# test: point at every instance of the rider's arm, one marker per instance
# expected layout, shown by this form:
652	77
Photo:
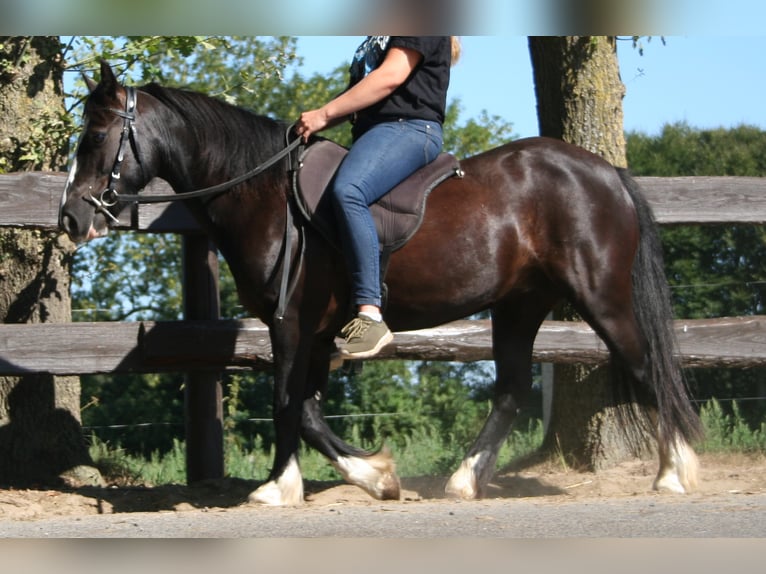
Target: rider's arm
374	87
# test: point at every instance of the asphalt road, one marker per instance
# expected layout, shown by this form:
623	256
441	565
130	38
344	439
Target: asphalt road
728	516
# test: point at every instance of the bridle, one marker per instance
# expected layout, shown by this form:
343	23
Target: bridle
110	197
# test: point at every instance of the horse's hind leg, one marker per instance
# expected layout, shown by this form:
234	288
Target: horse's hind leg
617	323
678	463
514	326
375	473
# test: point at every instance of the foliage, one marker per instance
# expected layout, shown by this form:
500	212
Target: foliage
40	142
475	135
142	413
681	150
139	54
49	133
729	432
132	277
406	396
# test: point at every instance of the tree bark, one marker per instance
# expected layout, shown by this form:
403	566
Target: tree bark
41	438
579	92
579	98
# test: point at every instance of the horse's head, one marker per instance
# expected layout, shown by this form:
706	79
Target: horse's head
107	160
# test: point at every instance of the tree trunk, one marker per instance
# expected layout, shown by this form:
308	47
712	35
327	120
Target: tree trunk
579	99
579	92
41	439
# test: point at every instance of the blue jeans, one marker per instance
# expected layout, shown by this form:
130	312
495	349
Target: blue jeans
380	159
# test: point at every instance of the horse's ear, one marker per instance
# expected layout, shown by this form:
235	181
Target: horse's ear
108	79
90	82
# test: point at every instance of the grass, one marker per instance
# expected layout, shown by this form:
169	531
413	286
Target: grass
423	453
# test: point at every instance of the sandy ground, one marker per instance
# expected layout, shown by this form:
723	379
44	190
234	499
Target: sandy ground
729	474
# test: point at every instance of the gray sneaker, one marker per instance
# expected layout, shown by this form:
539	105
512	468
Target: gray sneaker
365	338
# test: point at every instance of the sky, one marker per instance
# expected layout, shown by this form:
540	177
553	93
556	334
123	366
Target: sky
707	81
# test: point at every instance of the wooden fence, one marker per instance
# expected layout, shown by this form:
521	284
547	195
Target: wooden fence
203	345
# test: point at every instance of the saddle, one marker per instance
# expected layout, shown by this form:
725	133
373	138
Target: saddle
397	215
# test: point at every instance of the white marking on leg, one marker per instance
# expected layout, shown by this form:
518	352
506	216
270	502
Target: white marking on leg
462	484
287	490
679	468
375	474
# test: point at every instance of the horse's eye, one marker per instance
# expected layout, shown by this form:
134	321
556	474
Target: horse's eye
98	137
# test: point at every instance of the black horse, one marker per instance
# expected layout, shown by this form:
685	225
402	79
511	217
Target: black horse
531	223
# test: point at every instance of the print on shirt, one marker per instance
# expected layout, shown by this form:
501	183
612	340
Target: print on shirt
368	56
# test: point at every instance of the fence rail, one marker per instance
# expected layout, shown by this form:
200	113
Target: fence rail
213	346
31	199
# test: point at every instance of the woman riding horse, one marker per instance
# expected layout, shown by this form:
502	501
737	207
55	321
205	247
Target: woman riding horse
531	223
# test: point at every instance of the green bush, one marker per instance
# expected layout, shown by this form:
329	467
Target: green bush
729	432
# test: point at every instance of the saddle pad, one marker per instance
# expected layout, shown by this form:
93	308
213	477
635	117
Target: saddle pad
397	215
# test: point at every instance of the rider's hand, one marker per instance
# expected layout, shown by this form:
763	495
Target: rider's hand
311	122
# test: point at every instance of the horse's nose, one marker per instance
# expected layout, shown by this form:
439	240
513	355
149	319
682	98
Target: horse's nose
69	223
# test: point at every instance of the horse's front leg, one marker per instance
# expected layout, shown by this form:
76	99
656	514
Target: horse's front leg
284	486
375	473
513	331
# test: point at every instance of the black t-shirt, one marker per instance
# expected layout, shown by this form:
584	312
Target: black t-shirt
423	95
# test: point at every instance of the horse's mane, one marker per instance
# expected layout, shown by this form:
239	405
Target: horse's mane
232	137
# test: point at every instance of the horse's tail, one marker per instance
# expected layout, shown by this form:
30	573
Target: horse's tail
652	308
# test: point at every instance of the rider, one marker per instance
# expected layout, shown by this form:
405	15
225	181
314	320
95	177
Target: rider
396	101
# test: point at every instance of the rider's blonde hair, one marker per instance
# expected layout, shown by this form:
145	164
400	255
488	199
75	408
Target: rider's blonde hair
456	49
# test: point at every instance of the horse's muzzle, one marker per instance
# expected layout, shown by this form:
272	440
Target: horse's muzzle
81	223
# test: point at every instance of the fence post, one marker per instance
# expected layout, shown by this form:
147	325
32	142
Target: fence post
203	394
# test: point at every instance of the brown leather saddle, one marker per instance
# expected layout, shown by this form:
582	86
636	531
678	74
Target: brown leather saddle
397	215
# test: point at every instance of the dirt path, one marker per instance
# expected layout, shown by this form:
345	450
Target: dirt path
720	475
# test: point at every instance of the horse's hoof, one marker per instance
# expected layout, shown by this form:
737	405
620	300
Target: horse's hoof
389	487
463	492
375	474
668	483
270	494
462	484
679	468
287	490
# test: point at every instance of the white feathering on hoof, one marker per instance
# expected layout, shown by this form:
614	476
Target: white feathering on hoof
679	469
462	484
375	474
287	490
